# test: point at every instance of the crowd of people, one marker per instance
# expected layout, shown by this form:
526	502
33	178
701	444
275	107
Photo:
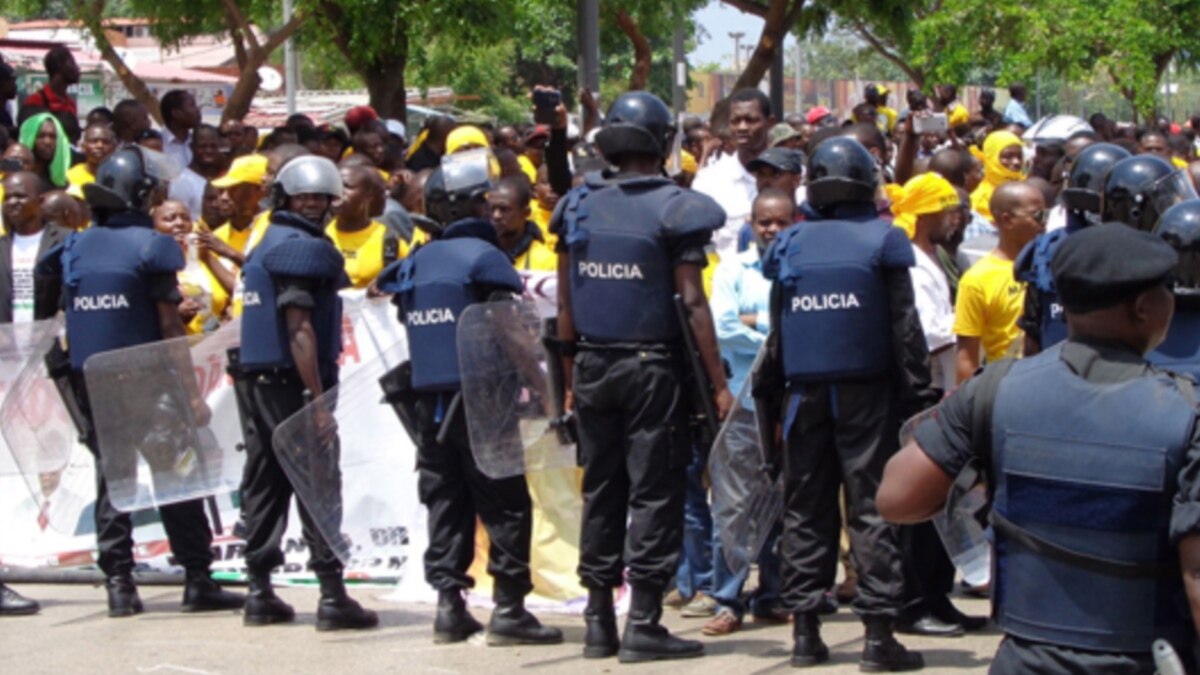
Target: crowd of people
872	264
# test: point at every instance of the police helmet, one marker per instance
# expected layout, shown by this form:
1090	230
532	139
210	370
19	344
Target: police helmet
1138	190
456	188
841	171
1085	185
131	178
310	174
1055	130
638	122
1180	227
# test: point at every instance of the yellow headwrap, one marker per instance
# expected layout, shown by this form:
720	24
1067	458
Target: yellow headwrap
465	136
995	174
687	161
924	194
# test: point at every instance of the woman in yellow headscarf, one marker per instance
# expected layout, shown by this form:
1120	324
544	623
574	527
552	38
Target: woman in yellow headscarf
1002	157
466	138
922	195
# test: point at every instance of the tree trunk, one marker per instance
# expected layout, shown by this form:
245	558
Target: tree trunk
642	54
90	15
244	90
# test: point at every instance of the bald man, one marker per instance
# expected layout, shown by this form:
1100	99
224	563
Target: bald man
60	209
989	298
22	299
365	243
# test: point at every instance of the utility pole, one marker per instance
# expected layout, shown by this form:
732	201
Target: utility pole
679	91
799	104
588	22
776	82
737	50
291	64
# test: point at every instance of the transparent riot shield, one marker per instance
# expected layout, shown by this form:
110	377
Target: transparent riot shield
746	502
334	451
512	420
958	524
36	425
158	441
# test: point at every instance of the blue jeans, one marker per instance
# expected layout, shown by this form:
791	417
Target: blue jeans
727	586
694	573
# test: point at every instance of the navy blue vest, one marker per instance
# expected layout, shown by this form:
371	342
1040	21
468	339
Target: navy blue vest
621	273
106	272
1180	352
291	247
1072	465
835	317
434	285
1033	267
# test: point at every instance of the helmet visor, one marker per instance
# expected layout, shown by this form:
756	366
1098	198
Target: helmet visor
158	165
463	171
1169	191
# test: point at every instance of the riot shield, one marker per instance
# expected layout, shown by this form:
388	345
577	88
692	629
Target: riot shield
334	450
158	444
746	502
958	523
36	425
513	423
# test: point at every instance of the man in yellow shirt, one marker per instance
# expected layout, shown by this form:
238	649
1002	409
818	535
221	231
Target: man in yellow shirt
99	142
520	238
241	191
363	241
990	300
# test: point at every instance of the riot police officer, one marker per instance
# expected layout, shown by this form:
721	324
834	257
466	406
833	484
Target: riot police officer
1180	351
291	339
628	242
1042	318
120	290
1088	499
432	287
851	353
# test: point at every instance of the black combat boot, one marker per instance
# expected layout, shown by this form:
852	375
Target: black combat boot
645	639
13	603
263	607
512	624
601	640
202	594
123	597
807	647
338	611
453	622
882	653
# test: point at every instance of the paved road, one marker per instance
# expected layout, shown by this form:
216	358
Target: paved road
73	635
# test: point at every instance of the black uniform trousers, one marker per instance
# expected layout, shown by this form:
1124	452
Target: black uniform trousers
187	527
265	401
456	492
634	445
928	571
842	434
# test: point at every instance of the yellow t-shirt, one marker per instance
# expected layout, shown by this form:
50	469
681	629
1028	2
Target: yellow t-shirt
989	303
363	251
78	175
200	284
537	258
236	239
257	229
527	168
541	217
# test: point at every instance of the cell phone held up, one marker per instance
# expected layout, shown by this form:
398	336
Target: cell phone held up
932	123
545	102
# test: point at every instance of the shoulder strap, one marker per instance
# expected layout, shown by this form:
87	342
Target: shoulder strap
987	386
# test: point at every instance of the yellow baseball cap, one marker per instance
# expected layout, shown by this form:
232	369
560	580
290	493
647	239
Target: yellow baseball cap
250	169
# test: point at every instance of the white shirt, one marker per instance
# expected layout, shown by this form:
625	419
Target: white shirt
734	189
180	150
1057	218
24	257
931	291
189	189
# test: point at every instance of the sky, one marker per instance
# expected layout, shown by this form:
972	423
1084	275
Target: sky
719	20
